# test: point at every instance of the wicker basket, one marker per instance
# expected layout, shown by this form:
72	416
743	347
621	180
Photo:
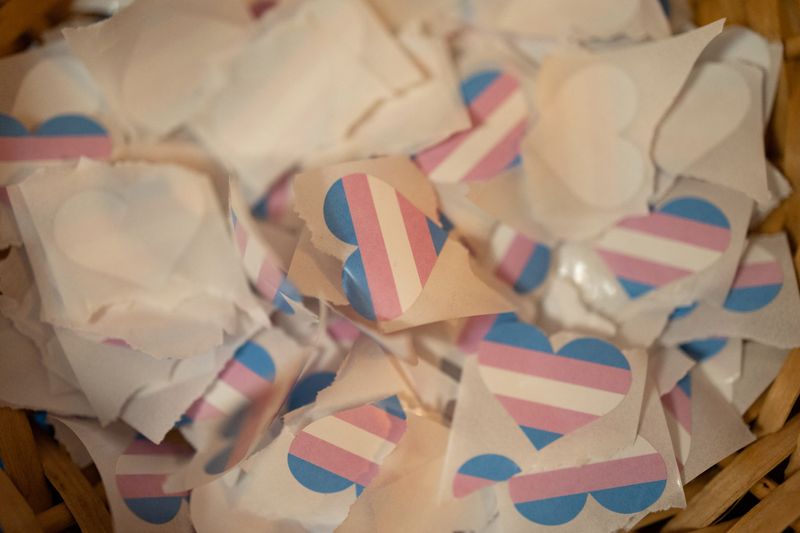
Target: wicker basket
756	489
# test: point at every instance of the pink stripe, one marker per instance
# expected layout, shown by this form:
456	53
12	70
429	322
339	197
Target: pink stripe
475	329
269	279
333	459
376	421
641	270
680	229
680	407
607	475
240	236
41	148
546	417
278	200
464	485
144	486
120	343
202	409
499	157
515	259
244	380
145	447
419	236
380	279
555	367
757	274
343	330
492	97
432	157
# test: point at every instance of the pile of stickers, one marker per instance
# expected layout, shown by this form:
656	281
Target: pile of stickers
380	265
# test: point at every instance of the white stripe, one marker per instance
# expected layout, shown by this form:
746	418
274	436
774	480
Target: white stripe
149	464
658	249
253	257
350	438
549	392
639	448
484	138
757	254
681	439
501	242
395	237
226	398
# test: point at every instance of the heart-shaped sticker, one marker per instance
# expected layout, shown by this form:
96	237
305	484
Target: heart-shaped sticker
141	472
521	262
582	135
679	239
61	137
345	449
677	405
758	281
499	116
627	483
483	471
549	393
136	232
397	245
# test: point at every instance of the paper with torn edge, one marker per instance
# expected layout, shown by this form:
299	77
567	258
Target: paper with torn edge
712	131
292	74
142	52
611	490
760	365
558	186
705	428
226	424
133	470
173	264
762	304
399	274
554	400
576	19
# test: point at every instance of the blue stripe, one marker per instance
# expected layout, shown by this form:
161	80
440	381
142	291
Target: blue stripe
552	511
539	437
696	209
257	359
260	209
315	478
11	127
685	384
392	406
336	211
595	351
634	289
306	390
749	299
535	270
155	510
520	335
683	311
490	466
438	235
70	125
354	283
473	86
219	463
703	349
630	499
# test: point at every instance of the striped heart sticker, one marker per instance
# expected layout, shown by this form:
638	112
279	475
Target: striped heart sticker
549	393
397	245
61	137
499	115
758	281
521	262
347	448
483	471
246	377
683	237
141	472
677	405
629	482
